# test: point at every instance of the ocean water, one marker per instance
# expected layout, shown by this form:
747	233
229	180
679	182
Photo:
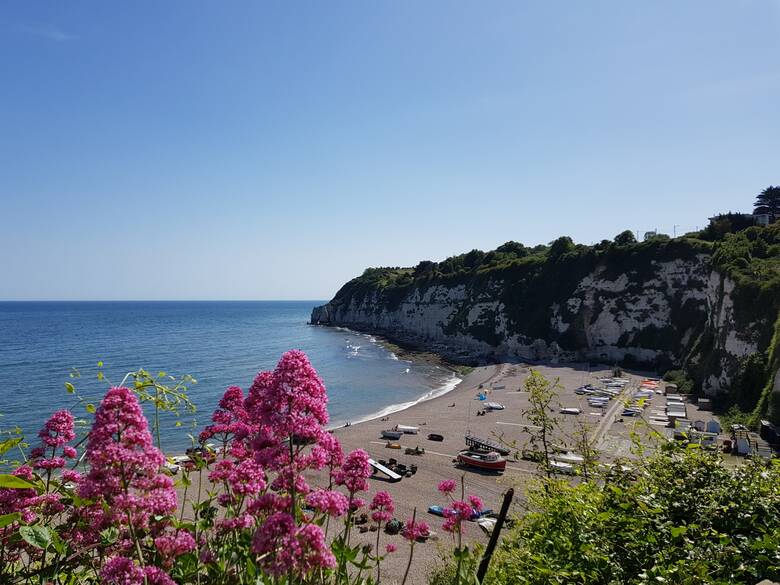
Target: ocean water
219	343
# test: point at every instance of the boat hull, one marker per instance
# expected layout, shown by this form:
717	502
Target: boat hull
481	463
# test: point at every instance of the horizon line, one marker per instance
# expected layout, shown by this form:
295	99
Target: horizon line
161	300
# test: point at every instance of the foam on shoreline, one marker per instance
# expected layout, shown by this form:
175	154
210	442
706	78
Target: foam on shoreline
445	388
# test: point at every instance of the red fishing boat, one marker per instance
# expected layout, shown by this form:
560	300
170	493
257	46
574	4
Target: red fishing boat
490	460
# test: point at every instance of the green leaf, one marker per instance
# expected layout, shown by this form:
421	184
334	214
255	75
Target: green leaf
70	387
678	530
58	543
38	536
9	444
7	519
90	408
109	535
13	482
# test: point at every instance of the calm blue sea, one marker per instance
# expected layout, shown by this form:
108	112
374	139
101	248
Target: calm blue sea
219	343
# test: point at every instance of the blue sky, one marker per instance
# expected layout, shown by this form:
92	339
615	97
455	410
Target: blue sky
255	150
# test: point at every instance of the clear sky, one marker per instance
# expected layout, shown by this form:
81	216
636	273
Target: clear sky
257	150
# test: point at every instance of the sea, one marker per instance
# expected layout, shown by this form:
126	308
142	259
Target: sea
93	345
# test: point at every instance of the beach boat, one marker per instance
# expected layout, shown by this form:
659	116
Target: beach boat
494	406
406	429
391	445
478	444
560	467
569	457
435	437
570	411
490	461
415	451
436	510
383	469
392	434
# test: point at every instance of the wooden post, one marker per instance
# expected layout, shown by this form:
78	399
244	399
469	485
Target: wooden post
483	564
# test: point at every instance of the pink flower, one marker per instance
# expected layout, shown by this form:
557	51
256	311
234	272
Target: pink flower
124	480
354	472
292	400
71	476
329	502
247	478
58	430
460	511
121	571
383	507
390	548
51	463
156	576
415	530
283	547
69	452
231	420
447	486
175	545
476	503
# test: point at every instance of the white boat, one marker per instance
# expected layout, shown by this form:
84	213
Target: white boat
383	469
559	467
570	411
494	406
406	429
568	457
394	435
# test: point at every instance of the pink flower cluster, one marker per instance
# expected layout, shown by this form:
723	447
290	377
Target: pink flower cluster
284	546
122	571
231	421
328	502
415	530
56	433
271	439
459	510
355	472
383	507
124	482
279	428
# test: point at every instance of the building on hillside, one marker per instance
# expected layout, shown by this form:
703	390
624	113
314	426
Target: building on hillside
748	218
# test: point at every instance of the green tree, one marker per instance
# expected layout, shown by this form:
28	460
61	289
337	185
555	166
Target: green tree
560	246
768	201
625	238
542	400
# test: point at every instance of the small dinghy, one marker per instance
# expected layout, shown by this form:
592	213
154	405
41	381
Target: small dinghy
570	411
435	437
392	434
490	461
493	406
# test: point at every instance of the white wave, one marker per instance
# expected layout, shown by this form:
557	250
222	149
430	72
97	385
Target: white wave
392	356
448	386
407	370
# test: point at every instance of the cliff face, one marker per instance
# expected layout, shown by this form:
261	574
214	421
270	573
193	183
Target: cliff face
659	309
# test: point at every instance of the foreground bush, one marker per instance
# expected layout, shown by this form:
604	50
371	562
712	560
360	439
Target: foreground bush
681	518
251	516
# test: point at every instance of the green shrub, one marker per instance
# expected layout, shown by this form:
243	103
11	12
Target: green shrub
682	517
